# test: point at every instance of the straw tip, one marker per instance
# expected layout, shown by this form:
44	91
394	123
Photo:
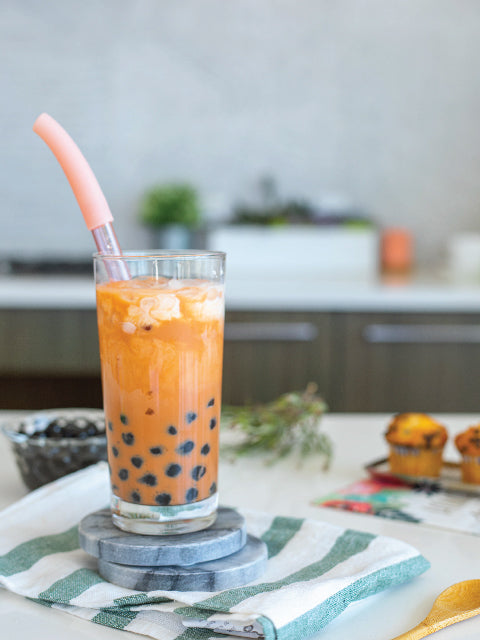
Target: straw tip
42	120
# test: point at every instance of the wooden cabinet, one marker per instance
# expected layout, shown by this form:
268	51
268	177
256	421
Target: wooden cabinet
408	362
49	358
44	341
269	353
359	361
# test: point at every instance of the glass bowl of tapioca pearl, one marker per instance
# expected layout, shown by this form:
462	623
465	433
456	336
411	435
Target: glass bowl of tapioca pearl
52	443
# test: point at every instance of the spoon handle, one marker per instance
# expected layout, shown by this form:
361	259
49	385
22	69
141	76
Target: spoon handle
420	631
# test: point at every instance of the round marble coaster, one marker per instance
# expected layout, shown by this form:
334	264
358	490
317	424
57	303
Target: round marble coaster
101	538
232	571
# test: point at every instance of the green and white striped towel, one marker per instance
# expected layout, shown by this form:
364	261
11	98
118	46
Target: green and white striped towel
315	570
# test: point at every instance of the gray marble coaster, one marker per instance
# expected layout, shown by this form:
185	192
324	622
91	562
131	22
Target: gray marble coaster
101	538
235	570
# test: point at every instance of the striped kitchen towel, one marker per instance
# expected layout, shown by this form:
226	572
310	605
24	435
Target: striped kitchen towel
314	571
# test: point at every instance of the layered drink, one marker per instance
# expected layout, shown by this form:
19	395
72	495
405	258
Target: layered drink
161	349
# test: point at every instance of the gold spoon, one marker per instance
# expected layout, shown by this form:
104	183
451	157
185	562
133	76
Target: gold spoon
458	602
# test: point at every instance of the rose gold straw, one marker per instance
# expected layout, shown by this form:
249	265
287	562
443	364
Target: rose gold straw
86	189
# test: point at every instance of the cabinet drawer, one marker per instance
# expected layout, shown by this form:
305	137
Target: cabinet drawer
270	353
42	341
410	362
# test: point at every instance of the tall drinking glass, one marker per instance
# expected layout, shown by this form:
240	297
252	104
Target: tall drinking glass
161	350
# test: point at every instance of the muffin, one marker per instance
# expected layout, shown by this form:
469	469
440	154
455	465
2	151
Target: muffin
468	444
416	445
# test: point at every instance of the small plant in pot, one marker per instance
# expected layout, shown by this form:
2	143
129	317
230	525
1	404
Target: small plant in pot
172	211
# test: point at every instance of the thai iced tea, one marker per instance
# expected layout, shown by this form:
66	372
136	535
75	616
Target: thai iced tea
161	348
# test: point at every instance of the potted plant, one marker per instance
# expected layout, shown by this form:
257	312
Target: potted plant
172	212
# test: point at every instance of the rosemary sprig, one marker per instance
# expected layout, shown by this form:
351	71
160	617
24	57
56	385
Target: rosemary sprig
287	425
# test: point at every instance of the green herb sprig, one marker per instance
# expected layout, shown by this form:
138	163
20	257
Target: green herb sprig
288	425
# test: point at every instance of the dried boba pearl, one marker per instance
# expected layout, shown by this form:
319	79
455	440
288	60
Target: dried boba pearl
205	449
123	474
22	428
213	423
191	417
91	429
123	418
149	479
173	470
37	434
172	430
198	472
72	431
211	402
135	496
110	425
128	438
54	430
137	461
156	451
115	451
191	495
163	499
185	447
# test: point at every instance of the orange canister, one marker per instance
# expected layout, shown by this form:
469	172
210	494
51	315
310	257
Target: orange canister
396	251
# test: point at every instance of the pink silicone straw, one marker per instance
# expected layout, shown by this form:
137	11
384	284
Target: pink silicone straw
86	189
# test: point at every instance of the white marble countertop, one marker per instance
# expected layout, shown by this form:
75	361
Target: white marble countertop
415	295
287	489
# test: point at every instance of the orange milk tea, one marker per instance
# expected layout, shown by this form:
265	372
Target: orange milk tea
161	348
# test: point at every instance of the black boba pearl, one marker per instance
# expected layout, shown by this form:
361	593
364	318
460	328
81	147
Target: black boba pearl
23	429
92	430
71	431
135	496
172	430
36	434
149	479
205	449
213	423
123	474
198	472
82	435
173	470
185	447
54	430
123	418
163	499
128	438
191	494
156	451
115	451
213	488
137	461
211	402
190	417
110	425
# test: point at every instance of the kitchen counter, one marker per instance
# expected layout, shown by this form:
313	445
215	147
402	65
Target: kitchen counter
422	294
287	489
